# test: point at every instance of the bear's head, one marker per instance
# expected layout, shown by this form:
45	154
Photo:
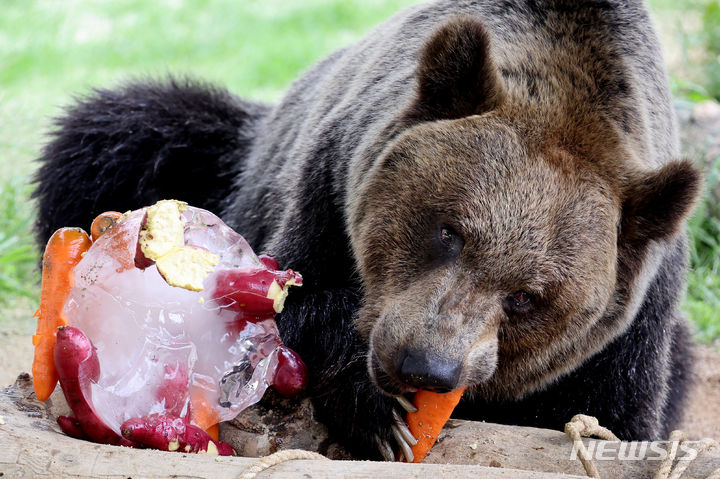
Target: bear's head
503	238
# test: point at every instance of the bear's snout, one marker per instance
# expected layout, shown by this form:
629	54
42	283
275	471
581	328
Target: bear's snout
440	344
422	370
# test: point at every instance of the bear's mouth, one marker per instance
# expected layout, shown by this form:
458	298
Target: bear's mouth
385	382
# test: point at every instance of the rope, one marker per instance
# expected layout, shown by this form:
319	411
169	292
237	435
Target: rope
666	465
584	426
276	458
682	465
581	425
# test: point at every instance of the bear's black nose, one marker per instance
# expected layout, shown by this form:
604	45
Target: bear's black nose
424	371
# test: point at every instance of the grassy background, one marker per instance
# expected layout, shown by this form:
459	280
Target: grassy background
52	49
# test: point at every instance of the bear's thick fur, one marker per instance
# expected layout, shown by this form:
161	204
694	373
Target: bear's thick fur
478	192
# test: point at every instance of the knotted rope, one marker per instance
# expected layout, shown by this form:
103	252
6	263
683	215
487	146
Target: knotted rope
585	426
276	458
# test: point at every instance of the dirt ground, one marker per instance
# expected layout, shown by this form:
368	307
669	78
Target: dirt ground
702	416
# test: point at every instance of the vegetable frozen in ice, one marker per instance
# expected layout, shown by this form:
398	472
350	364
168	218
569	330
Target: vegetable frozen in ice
62	252
195	341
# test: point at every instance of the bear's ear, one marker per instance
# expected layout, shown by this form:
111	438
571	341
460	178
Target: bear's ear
657	203
456	76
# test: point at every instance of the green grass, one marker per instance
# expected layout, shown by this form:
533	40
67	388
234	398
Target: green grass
18	254
703	299
51	50
692	42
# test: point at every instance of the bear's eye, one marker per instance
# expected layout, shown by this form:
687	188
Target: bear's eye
450	242
443	245
519	302
446	236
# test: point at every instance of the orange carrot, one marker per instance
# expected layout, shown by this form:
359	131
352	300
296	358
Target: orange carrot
102	222
434	409
214	432
202	414
63	251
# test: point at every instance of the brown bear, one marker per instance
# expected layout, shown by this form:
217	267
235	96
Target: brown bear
483	193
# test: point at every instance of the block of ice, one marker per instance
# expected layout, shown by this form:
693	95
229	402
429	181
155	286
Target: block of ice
165	349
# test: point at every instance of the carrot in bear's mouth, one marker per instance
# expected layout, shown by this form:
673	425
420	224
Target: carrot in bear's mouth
433	411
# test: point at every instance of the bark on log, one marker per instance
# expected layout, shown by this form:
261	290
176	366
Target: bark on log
515	447
31	445
280	424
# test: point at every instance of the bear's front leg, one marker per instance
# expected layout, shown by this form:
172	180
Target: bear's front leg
319	325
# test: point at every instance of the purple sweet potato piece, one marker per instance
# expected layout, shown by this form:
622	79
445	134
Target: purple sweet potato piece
169	433
78	366
71	427
259	292
174	390
291	374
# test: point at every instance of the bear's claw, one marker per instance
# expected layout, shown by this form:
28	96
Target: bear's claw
404	446
403	437
406	405
403	429
385	449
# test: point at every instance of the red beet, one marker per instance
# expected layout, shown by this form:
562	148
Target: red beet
291	374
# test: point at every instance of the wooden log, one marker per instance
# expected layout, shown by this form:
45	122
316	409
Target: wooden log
278	424
31	445
515	447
